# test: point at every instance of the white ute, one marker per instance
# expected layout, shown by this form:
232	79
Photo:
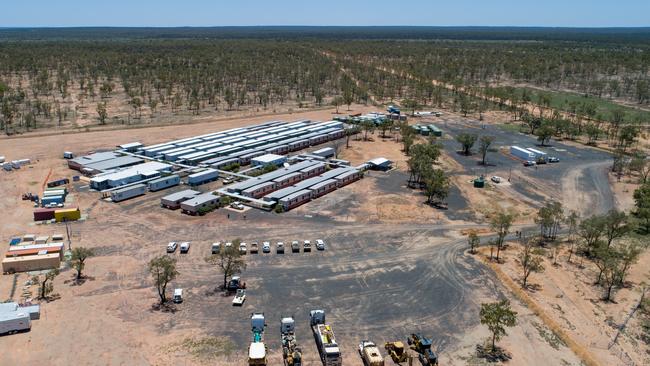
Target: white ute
240	297
185	247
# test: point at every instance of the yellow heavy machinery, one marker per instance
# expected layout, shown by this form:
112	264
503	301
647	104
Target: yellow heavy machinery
396	351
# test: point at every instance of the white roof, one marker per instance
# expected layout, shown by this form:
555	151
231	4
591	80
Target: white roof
148	167
257	351
268	158
378	161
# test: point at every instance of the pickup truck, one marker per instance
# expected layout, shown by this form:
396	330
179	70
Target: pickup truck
185	247
295	246
240	297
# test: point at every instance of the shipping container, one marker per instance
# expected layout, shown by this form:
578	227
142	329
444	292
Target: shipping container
128	192
70	214
58	182
41	214
52	199
165	182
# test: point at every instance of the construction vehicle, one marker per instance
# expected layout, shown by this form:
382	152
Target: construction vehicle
422	346
370	354
257	349
396	351
291	353
329	351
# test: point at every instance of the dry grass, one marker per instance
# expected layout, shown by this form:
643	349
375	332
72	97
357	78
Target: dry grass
556	328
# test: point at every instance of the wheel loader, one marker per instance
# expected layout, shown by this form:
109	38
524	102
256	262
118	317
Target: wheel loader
396	351
422	346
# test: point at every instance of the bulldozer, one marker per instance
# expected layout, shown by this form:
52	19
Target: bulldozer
422	346
396	351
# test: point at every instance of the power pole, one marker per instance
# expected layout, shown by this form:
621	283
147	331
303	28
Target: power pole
68	233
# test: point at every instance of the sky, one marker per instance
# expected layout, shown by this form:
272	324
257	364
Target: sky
167	13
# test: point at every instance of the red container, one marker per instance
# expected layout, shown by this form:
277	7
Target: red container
41	214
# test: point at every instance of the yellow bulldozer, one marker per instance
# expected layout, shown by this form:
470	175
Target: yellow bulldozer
396	351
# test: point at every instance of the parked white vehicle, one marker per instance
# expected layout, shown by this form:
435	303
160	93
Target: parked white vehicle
306	247
242	248
171	247
266	247
496	179
279	248
185	247
240	297
320	245
216	247
178	296
237	205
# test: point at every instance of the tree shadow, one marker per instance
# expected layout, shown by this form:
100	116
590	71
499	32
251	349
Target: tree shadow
51	298
167	307
80	281
532	287
492	355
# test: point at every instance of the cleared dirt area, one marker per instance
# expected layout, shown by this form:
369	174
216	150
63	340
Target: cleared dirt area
577	307
392	266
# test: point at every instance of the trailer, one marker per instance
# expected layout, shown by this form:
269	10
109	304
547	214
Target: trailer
539	155
203	177
165	182
291	353
257	349
328	349
13	322
128	192
522	153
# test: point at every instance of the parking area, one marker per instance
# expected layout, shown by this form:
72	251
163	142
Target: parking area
580	174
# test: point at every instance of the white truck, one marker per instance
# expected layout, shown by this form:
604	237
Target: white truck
329	351
291	353
257	348
369	353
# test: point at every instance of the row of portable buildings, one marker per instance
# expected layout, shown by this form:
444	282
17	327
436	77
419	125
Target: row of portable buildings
240	145
33	253
296	184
